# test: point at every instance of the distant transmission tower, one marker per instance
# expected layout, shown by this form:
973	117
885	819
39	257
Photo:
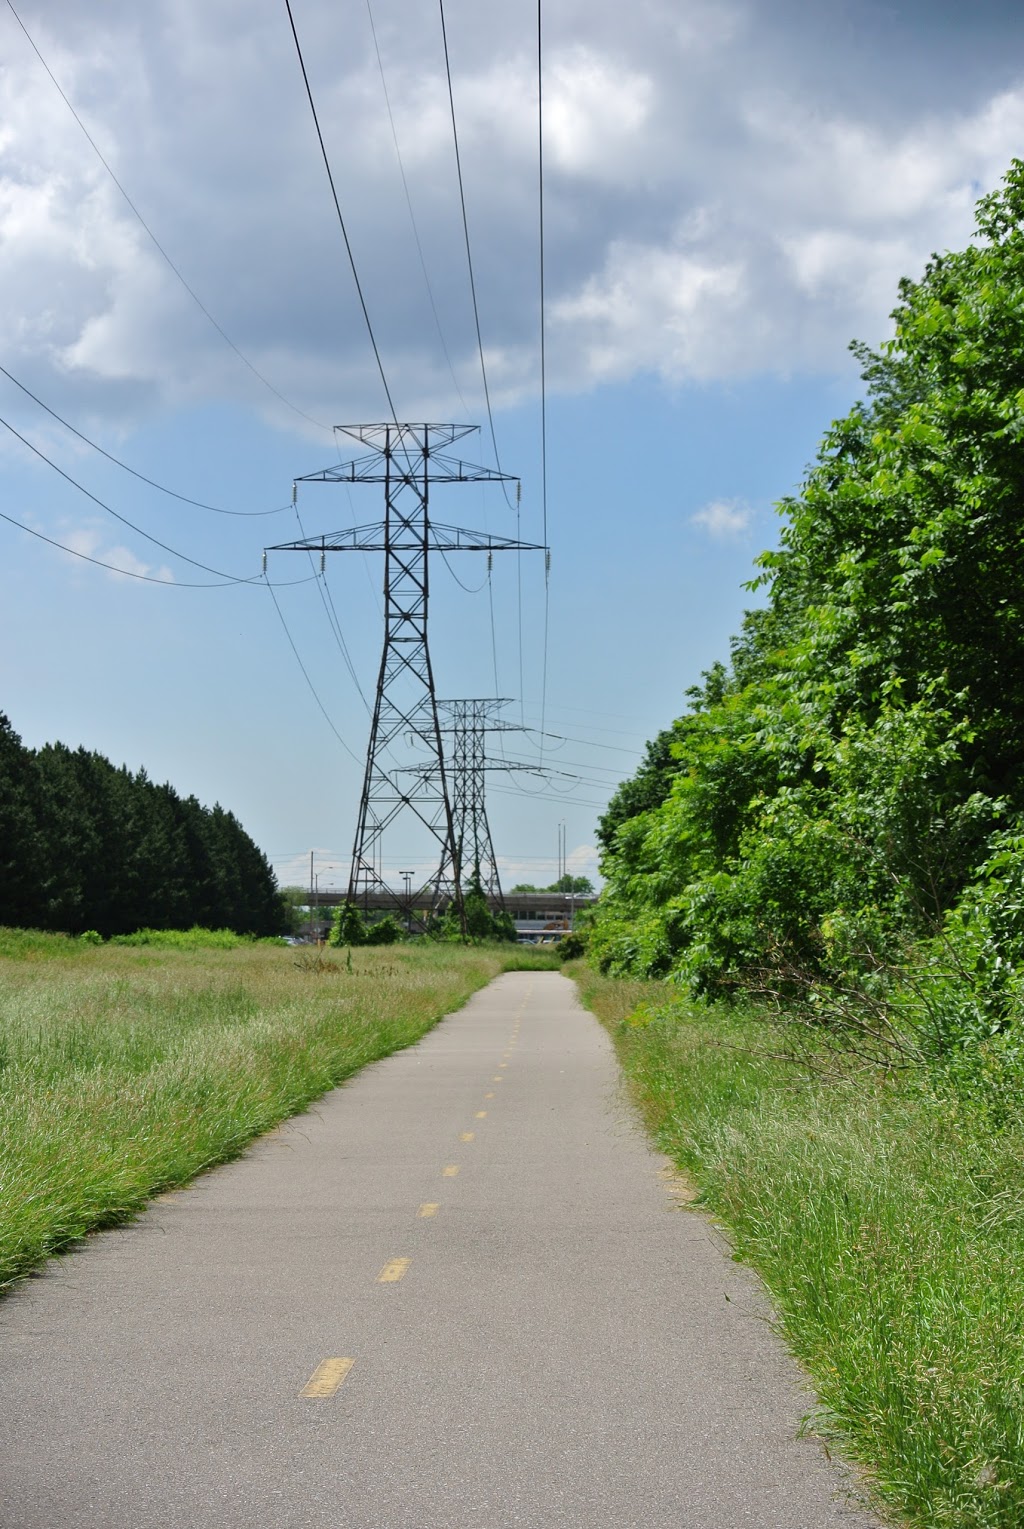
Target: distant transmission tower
468	722
407	459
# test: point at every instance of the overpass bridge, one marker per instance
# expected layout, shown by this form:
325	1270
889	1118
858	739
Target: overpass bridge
536	915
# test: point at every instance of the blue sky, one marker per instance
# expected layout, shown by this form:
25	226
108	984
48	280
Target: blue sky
733	192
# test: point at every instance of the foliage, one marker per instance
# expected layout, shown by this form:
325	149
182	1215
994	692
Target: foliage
813	824
195	938
481	924
295	909
348	927
84	845
384	931
571	946
567	883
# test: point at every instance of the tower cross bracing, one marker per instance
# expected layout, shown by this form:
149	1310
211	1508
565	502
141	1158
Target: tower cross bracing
407	459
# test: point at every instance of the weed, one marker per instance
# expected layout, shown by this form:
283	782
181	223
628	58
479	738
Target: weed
887	1221
128	1069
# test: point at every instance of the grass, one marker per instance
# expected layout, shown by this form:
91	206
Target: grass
127	1070
888	1225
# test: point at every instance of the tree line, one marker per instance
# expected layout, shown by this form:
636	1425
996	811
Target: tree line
87	845
845	796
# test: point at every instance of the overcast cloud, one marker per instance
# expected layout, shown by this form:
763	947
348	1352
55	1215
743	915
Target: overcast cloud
722	200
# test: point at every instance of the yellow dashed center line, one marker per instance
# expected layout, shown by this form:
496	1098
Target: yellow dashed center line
488	1096
481	1114
428	1210
450	1172
497	1078
466	1135
393	1271
327	1377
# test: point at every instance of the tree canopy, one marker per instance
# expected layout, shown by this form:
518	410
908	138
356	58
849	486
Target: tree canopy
841	782
86	845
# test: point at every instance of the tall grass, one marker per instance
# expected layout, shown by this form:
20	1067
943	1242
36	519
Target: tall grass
888	1224
124	1071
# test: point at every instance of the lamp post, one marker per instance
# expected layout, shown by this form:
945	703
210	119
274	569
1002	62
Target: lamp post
314	898
407	878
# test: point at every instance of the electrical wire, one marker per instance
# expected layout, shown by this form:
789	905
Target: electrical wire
305	675
575	764
156	242
590	743
170	492
146	578
494	640
543	368
470	589
337	208
332	616
412	215
218	572
540	796
469	251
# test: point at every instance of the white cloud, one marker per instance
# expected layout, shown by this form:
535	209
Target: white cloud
723	519
88	542
714	209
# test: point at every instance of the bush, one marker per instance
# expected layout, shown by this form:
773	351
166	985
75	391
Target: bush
195	938
386	931
348	927
572	947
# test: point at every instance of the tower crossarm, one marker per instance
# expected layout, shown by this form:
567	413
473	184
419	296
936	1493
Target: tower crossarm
410	460
376	538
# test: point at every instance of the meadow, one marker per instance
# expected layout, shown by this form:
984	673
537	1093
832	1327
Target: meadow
128	1069
887	1221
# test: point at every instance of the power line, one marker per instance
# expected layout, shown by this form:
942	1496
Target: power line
198	503
412	215
480	350
469	251
543	367
156	242
332	617
337	208
112	567
575	764
590	743
541	796
469	589
305	674
218	572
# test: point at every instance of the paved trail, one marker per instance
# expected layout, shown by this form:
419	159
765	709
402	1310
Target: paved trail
540	1338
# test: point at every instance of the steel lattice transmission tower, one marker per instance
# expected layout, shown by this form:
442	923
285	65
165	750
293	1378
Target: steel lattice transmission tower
468	722
407	459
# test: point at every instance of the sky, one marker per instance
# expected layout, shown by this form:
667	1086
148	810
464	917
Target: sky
732	192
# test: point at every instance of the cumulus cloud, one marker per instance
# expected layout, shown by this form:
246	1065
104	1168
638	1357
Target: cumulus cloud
721	200
723	519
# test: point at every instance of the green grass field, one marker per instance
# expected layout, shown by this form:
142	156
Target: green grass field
888	1225
126	1070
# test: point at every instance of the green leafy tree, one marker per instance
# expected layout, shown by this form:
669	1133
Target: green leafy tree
348	927
834	789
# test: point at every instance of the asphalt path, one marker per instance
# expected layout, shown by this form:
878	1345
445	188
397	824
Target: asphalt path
460	1293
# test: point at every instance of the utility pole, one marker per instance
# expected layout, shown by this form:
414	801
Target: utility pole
407	459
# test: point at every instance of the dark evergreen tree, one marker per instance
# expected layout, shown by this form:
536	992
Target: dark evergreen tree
84	845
